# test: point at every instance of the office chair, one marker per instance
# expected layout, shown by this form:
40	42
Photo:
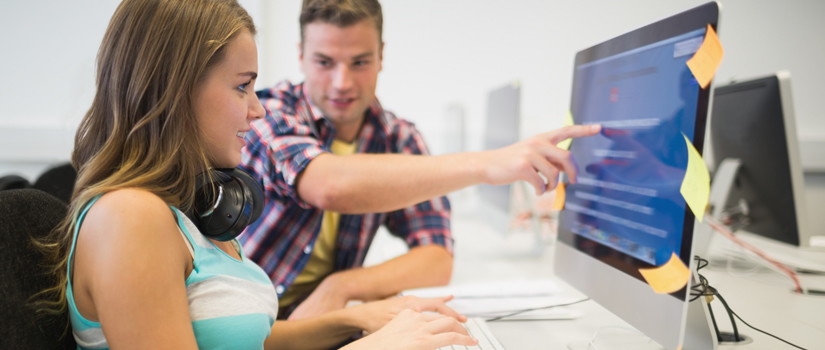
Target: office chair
13	182
58	182
27	214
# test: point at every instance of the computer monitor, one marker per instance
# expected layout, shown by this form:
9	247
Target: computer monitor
758	187
502	130
769	178
626	211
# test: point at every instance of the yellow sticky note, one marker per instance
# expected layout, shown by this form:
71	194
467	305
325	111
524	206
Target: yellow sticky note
668	278
558	201
706	60
696	184
568	120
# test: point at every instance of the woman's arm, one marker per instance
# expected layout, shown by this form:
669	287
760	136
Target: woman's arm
130	270
332	328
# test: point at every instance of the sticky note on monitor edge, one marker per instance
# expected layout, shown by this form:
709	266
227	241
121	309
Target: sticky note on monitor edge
558	200
568	121
668	278
696	183
707	58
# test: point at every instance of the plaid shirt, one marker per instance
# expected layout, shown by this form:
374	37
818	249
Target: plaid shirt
281	145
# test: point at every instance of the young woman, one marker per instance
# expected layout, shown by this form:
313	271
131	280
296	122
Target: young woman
174	99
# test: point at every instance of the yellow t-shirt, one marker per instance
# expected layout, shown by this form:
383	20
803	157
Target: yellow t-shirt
321	261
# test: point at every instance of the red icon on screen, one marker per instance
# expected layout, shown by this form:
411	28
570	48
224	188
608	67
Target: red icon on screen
614	94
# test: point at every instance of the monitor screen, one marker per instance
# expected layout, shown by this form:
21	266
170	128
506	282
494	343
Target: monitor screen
627	208
753	110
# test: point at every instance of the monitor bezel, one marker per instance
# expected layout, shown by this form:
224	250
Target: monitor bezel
600	281
782	81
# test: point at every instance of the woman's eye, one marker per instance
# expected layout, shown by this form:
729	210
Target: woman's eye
243	86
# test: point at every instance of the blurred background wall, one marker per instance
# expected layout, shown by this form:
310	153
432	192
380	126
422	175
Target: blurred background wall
441	59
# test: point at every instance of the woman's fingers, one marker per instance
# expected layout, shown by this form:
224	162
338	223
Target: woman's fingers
438	305
444	339
445	325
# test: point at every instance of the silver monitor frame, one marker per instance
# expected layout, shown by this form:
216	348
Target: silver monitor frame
672	322
721	192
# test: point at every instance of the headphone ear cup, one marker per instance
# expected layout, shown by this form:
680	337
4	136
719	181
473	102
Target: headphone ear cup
255	190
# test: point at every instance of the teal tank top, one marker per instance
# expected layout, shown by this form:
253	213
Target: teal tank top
232	303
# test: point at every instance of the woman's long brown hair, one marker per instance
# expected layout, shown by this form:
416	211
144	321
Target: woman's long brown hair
141	130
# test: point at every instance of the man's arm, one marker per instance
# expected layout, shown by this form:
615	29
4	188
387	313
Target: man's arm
422	266
364	183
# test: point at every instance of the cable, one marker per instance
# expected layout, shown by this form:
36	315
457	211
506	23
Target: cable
730	313
534	309
766	333
729	235
705	289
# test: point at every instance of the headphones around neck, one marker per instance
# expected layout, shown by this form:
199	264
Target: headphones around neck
226	203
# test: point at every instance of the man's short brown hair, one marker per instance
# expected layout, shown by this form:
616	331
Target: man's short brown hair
341	13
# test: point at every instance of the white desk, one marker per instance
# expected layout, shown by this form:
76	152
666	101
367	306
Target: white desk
764	299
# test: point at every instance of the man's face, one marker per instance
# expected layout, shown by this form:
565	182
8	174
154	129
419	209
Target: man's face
341	66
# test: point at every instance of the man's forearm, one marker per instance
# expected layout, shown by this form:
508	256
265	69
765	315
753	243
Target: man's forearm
425	266
369	183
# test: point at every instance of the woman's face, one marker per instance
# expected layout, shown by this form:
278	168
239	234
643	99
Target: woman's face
225	102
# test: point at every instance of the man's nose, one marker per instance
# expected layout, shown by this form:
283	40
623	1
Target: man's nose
342	78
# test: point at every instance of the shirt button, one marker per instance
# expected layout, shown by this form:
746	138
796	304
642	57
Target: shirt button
279	289
307	249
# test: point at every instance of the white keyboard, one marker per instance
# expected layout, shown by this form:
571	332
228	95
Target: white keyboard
478	329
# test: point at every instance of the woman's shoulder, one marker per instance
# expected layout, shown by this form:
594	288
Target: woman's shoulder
133	216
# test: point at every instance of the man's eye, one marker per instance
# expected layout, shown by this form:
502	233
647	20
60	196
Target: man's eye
323	63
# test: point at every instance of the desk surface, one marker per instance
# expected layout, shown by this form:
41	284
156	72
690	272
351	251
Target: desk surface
762	297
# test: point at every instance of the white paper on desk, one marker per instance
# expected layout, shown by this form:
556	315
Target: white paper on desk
490	289
499	298
496	307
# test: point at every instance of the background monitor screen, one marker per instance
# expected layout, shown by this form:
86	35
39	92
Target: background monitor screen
502	130
753	110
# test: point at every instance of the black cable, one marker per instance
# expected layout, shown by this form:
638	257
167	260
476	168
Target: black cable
766	333
537	308
705	289
730	313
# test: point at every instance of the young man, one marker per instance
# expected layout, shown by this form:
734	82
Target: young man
335	166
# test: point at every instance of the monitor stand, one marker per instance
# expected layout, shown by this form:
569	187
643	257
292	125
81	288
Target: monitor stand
698	331
725	199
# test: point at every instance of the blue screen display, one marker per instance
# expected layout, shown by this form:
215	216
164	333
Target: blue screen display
627	196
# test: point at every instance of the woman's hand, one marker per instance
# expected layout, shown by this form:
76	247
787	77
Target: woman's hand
374	315
411	330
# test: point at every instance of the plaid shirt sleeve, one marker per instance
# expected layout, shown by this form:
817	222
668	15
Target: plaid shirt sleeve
284	144
426	222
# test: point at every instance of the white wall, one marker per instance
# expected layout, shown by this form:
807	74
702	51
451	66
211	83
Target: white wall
47	68
444	52
439	54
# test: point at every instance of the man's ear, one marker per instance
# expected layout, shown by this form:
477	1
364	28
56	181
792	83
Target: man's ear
381	56
301	55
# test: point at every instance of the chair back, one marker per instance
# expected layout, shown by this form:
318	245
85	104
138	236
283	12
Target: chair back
58	182
13	182
27	214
